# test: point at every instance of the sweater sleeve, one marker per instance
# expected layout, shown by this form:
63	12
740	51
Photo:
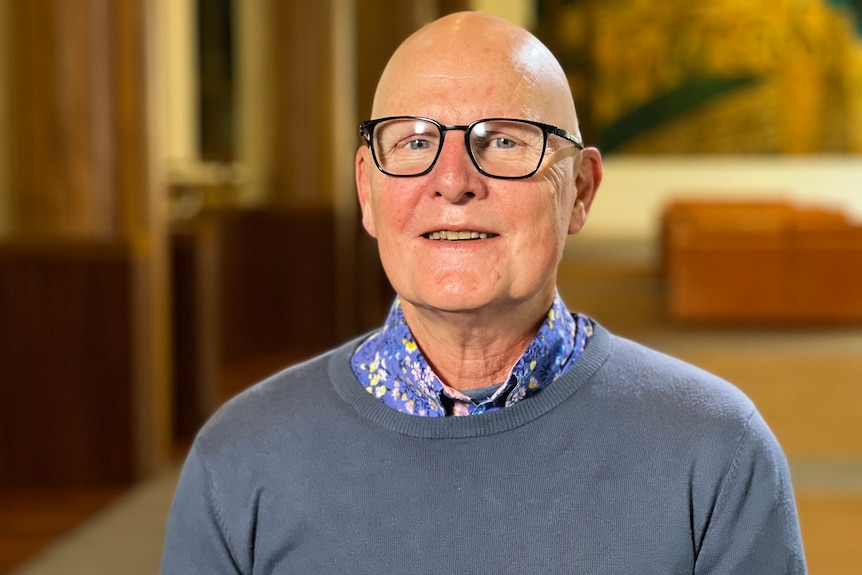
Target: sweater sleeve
196	538
754	526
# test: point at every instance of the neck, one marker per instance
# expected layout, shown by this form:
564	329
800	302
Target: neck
471	350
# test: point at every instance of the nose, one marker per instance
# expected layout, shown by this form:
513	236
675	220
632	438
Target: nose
455	178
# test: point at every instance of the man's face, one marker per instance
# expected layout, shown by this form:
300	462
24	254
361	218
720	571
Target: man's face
521	224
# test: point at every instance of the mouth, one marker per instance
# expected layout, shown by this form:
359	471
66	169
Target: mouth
457	236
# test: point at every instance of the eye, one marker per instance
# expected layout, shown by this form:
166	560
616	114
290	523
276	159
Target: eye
502	142
418	144
498	141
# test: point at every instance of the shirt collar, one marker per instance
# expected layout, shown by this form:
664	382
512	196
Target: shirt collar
392	368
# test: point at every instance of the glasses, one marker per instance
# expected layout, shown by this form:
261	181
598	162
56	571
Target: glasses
406	146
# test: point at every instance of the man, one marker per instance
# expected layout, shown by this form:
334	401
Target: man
484	428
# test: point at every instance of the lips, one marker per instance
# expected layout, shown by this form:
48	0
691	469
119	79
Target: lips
457	235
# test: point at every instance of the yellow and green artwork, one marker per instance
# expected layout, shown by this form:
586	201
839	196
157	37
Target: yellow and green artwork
725	76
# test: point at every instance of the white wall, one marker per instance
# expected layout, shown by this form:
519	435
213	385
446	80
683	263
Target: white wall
635	189
179	82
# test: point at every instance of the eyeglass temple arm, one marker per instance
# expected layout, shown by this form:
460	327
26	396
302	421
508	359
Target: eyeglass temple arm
568	136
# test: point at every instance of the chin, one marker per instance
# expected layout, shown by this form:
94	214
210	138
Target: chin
451	300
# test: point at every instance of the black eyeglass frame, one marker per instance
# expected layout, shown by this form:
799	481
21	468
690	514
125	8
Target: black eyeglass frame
366	132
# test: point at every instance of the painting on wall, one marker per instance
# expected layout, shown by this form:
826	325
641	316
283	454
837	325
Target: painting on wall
726	77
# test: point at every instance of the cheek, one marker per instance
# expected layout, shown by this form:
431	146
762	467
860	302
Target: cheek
549	215
389	208
561	180
396	217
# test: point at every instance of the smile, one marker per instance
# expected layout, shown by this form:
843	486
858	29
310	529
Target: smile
457	236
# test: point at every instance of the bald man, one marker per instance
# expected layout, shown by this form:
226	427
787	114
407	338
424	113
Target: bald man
484	428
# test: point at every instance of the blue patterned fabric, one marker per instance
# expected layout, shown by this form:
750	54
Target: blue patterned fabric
392	368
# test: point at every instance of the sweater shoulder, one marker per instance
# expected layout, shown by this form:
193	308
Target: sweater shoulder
296	394
663	384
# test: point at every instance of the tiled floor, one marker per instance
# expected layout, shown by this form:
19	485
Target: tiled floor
124	538
30	521
831	531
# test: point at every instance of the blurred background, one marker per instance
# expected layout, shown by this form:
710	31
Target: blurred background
178	220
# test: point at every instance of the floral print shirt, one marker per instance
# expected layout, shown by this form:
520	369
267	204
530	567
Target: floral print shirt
392	368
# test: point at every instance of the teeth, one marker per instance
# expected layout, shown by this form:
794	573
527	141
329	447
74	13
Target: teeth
451	235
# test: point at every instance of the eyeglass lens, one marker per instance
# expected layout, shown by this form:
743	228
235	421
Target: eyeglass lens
504	148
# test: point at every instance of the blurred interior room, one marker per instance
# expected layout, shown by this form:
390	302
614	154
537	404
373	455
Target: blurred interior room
178	220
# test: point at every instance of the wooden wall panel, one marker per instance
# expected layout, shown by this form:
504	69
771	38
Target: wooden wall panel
254	293
60	117
303	94
81	168
66	360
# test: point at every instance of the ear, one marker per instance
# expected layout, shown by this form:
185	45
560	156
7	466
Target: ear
586	184
363	189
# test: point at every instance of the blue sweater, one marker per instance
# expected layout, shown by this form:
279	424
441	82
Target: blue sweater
631	463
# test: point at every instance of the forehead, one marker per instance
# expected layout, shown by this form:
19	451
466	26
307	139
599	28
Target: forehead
456	98
461	78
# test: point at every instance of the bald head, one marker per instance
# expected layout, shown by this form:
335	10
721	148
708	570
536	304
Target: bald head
472	65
